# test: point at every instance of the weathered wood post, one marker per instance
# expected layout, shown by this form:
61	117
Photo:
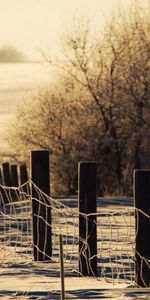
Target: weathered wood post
6	180
6	174
14	175
142	225
1	180
14	182
1	189
23	174
24	178
41	207
87	224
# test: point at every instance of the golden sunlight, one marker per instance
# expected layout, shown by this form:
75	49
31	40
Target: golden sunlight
33	25
75	115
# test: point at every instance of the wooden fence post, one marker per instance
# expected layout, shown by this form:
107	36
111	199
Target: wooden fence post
24	178
40	207
87	225
14	175
14	182
6	174
6	180
1	189
142	243
23	174
1	180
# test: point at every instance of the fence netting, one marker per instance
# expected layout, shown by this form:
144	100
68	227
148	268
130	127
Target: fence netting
116	235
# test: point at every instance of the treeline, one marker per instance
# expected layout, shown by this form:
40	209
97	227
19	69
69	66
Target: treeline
9	54
99	109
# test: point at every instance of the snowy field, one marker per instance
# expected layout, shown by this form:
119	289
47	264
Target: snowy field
19	82
22	278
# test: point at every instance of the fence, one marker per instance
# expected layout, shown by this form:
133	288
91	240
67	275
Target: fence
113	244
12	176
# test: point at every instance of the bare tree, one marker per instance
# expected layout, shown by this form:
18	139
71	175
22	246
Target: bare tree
57	120
114	70
99	109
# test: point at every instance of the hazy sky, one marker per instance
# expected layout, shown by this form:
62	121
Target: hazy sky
37	24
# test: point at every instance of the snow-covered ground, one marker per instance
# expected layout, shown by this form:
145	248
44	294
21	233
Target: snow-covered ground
22	278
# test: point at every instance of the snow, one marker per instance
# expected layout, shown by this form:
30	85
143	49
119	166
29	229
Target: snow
21	278
22	284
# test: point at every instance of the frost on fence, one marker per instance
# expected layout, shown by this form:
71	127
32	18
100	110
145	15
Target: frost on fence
15	224
116	244
115	235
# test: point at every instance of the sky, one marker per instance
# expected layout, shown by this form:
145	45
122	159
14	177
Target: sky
36	25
